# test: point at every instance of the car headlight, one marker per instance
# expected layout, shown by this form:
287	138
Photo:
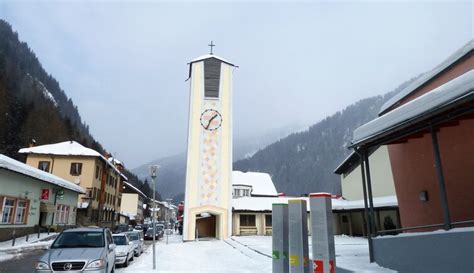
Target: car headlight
41	266
96	264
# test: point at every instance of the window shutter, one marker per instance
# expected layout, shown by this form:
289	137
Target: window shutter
1	202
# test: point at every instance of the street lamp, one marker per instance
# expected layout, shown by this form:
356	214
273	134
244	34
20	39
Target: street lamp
153	174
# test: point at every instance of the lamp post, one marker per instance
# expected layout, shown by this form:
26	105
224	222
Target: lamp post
153	174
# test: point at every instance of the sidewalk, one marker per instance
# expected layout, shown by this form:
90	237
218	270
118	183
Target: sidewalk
7	251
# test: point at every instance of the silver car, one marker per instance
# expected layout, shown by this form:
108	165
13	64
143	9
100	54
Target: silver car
90	250
136	237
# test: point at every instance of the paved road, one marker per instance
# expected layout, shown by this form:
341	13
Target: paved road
22	264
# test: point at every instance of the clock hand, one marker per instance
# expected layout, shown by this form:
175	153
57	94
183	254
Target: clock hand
209	124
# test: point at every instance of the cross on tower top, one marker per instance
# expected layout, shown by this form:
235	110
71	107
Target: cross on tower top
211	45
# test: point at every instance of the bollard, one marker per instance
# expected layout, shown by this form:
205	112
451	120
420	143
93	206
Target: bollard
298	236
280	238
39	231
27	237
324	260
14	237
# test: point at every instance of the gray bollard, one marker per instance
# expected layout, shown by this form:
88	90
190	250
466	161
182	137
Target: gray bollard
324	258
280	238
298	236
14	237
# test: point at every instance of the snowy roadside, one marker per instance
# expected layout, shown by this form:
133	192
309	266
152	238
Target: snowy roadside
7	251
240	254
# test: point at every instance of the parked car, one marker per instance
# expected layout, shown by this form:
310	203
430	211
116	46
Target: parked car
122	228
89	250
138	227
158	233
136	237
123	250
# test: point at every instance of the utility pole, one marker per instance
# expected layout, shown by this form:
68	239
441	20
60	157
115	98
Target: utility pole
153	174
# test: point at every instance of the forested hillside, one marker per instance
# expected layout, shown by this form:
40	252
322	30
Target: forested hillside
304	162
33	105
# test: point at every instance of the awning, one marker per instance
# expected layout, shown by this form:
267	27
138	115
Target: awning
439	100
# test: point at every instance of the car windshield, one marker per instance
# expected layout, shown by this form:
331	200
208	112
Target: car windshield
133	236
79	239
120	240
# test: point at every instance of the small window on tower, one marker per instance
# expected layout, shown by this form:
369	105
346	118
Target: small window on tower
212	74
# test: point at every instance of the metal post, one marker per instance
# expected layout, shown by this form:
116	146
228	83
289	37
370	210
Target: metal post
369	191
153	174
298	236
322	231
14	237
280	238
441	182
366	210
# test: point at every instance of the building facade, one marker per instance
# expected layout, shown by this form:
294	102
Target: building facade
100	177
31	198
132	204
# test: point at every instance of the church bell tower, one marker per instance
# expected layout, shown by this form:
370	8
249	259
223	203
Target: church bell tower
208	209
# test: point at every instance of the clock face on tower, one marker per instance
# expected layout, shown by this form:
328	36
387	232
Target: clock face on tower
211	119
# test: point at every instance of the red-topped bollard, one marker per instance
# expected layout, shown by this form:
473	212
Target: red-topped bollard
322	233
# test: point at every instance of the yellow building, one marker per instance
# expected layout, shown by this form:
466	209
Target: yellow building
100	177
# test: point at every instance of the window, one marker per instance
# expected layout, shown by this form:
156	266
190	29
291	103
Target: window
247	220
76	168
8	205
44	166
20	212
268	220
212	74
97	172
344	219
62	214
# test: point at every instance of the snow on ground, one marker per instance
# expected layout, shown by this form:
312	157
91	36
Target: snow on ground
7	251
241	254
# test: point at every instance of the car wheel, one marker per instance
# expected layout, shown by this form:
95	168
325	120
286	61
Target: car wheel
126	262
132	257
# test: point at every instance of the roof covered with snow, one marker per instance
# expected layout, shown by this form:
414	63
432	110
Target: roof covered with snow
261	183
428	76
21	168
438	100
135	189
209	56
62	148
68	148
265	203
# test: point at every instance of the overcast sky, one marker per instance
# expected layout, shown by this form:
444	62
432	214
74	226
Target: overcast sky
125	64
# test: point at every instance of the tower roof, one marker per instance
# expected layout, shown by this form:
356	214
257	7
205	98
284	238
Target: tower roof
205	57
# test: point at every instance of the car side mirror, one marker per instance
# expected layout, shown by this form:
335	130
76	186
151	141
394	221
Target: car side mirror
111	246
141	239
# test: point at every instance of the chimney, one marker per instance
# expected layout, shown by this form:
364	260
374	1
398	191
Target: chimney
32	143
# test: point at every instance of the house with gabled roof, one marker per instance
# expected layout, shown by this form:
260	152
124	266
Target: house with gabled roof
99	176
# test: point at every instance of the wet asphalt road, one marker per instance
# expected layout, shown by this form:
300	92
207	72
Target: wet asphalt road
22	264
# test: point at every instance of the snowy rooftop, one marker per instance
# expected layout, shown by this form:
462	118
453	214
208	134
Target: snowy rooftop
67	148
261	183
135	189
439	99
265	203
428	76
62	148
18	167
209	56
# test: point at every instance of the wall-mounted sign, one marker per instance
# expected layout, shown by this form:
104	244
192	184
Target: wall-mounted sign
45	194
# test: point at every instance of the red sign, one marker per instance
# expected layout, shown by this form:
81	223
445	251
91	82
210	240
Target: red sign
318	266
331	266
44	194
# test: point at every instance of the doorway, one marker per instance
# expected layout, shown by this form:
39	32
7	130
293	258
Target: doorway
206	225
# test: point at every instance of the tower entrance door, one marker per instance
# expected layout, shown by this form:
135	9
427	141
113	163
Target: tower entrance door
206	226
